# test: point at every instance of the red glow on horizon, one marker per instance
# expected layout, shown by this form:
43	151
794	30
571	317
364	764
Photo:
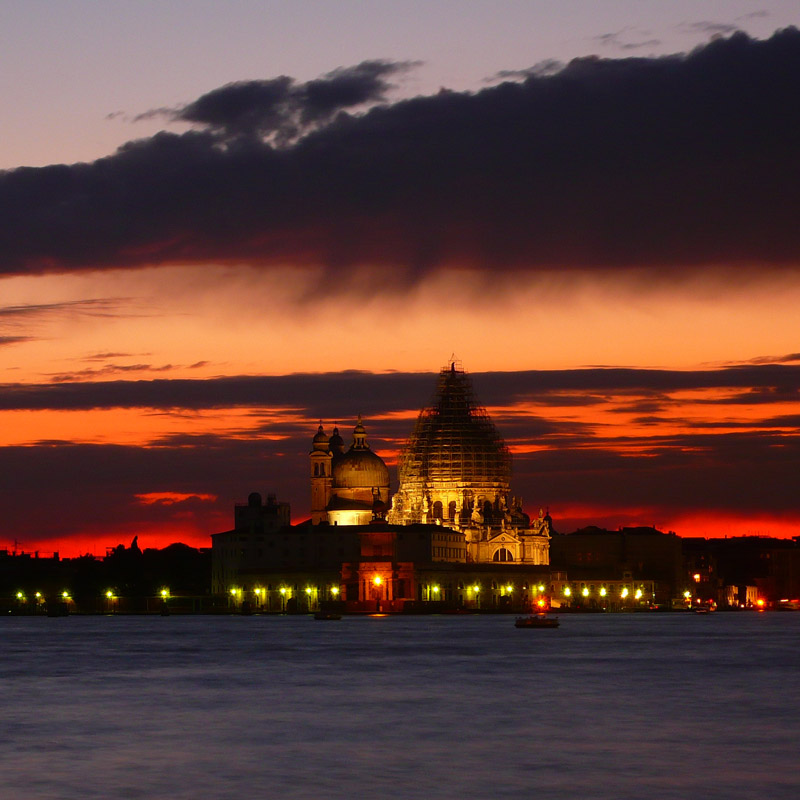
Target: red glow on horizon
170	498
707	524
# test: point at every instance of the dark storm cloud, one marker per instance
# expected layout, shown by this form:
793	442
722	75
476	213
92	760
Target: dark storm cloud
342	395
285	109
95	487
675	162
739	465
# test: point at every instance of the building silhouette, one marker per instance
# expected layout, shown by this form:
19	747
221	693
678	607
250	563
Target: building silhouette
452	535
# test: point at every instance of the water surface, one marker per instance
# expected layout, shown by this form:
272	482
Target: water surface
607	706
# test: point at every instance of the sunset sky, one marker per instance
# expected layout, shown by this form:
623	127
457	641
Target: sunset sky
221	223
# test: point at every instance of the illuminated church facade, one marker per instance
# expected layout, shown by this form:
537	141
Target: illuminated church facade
452	534
454	472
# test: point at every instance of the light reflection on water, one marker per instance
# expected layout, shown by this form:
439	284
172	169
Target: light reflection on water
607	706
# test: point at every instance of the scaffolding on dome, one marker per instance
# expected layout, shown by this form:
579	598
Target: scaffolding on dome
454	440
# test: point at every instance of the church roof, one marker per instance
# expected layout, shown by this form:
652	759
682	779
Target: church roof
454	438
359	467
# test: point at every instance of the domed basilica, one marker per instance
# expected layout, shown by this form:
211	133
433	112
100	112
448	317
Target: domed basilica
347	488
454	471
451	537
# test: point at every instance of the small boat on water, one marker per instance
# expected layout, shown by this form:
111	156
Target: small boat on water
536	621
326	615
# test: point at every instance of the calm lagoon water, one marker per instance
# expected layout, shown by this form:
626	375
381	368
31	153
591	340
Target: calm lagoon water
607	706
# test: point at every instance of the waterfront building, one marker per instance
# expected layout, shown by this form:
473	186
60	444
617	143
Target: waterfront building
637	559
453	535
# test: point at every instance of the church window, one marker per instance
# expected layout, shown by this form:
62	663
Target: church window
451	509
503	554
437	509
316	470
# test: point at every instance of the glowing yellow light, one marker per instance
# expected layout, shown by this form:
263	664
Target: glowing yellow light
638	594
233	592
509	588
165	593
541	587
602	591
585	592
624	593
109	594
687	594
308	590
377	580
541	603
476	588
334	590
567	591
760	602
696	577
283	590
435	589
38	594
20	596
65	595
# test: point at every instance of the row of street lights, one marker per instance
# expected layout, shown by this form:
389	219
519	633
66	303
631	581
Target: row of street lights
66	596
262	595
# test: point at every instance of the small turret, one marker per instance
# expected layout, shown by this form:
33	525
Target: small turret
320	466
360	436
336	442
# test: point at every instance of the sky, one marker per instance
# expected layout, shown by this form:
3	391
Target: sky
219	227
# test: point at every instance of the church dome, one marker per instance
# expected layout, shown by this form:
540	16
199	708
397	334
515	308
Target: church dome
454	440
360	469
320	440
